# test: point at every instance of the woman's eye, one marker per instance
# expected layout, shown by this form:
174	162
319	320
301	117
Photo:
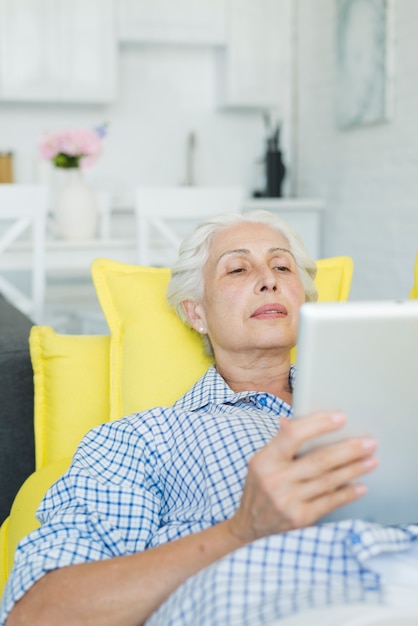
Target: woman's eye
282	268
237	270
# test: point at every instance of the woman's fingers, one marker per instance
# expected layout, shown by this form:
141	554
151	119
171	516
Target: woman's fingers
305	513
299	503
334	480
286	445
293	433
284	490
344	454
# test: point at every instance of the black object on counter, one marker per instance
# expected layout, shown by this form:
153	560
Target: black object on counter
275	173
274	168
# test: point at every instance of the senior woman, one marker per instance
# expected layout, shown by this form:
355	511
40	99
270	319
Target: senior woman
156	497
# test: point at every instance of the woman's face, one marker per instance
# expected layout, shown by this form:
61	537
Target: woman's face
252	291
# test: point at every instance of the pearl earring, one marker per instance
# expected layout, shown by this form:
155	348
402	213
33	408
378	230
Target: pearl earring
201	329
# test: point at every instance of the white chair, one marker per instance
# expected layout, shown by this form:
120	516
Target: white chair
165	214
23	212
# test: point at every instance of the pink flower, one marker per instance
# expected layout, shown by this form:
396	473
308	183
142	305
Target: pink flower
71	148
50	145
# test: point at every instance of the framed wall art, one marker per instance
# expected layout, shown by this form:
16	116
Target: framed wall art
362	62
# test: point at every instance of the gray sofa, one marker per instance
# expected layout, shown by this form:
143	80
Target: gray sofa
17	458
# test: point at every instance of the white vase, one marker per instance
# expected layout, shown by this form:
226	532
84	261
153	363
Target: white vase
75	211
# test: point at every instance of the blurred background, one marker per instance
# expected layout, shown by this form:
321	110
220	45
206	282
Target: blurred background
193	90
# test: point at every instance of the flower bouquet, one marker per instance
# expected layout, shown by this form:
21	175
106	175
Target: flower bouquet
75	208
79	147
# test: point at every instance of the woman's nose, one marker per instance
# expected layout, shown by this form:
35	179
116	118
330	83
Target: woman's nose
267	280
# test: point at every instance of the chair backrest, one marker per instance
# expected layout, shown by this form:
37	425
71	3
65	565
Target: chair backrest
165	214
23	212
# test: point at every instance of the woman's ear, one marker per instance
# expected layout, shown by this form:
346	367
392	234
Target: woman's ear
196	315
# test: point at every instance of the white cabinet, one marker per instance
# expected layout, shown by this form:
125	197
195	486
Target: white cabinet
254	67
168	21
57	50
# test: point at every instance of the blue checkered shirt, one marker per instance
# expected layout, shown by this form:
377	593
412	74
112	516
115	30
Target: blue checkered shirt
161	474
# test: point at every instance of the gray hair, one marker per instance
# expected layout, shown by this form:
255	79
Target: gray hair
186	281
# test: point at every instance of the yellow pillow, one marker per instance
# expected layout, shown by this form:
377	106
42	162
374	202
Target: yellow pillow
333	278
155	358
71	380
333	282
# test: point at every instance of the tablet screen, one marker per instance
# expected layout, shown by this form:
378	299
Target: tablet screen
362	358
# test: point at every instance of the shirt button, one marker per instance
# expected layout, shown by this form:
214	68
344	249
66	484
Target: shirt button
263	401
355	538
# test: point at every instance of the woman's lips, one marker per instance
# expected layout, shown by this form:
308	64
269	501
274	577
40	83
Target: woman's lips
268	311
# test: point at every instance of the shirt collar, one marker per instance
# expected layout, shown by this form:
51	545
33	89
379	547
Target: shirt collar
211	388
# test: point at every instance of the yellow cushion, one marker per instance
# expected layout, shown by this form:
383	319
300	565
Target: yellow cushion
333	278
155	357
414	291
333	282
71	380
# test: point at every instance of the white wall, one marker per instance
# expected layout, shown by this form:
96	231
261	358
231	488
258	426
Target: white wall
367	175
165	92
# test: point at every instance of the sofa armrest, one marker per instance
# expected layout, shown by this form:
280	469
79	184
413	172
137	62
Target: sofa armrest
17	456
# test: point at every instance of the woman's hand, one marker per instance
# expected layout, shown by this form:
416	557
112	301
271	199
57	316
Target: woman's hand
283	491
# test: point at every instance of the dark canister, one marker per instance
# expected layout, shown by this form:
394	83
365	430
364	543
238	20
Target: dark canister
275	173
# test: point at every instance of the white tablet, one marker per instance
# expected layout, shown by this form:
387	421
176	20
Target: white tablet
362	358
